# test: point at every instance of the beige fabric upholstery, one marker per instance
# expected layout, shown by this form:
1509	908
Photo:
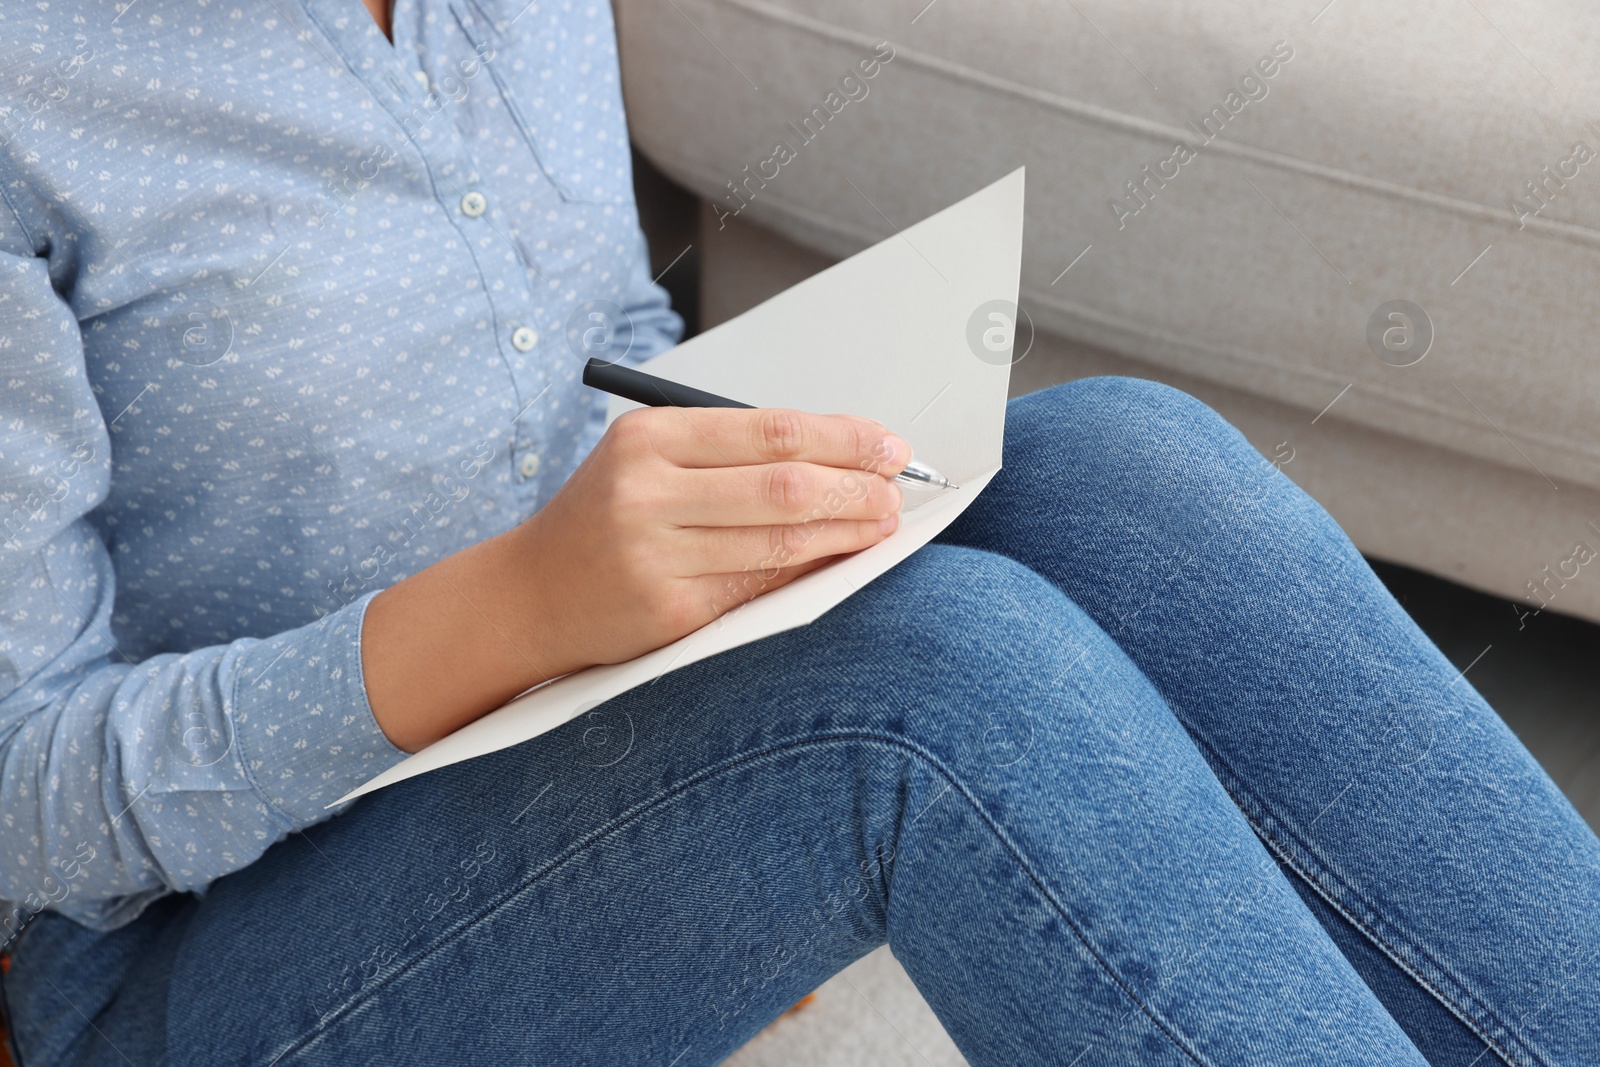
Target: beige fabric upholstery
1391	155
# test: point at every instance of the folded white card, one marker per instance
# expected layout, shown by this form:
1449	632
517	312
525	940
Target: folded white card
915	332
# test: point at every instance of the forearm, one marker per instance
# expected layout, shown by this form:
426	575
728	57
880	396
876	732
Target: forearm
458	639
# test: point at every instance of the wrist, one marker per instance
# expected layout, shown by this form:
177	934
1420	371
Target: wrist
456	640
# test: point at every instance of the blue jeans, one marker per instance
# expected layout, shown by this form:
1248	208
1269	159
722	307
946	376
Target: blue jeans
1138	763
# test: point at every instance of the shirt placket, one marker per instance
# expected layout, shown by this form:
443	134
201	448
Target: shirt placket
403	82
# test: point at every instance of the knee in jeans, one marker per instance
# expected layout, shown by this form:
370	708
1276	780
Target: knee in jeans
1150	434
1135	416
960	592
980	639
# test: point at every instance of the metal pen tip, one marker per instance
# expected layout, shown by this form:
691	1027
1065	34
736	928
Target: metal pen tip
921	474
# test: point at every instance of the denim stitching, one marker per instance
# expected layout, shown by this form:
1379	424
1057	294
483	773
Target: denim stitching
1388	950
706	774
1229	782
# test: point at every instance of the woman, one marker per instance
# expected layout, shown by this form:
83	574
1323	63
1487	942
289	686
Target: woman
1137	763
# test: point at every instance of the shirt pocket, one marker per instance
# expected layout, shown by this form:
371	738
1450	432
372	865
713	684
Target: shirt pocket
554	63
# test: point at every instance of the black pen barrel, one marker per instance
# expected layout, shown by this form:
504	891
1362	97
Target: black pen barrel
642	388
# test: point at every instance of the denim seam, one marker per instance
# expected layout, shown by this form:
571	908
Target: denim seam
1312	873
1317	886
702	776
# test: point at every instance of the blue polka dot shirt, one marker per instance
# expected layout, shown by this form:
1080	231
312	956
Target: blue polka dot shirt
287	313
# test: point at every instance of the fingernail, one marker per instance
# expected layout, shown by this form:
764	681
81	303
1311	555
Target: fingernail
887	524
893	448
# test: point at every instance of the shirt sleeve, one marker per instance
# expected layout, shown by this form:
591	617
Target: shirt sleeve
648	327
123	781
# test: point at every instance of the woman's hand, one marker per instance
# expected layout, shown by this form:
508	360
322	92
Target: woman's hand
681	514
677	516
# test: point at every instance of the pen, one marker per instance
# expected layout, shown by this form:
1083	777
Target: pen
656	392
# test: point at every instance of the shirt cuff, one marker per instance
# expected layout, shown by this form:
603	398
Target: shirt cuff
302	721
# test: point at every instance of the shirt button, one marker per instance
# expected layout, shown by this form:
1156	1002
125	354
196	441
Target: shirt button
421	76
523	338
473	205
529	465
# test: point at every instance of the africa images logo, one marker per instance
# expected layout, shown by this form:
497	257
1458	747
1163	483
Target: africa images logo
1139	192
810	128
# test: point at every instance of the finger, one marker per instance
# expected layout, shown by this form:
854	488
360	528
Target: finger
858	418
773	494
725	592
731	437
707	550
